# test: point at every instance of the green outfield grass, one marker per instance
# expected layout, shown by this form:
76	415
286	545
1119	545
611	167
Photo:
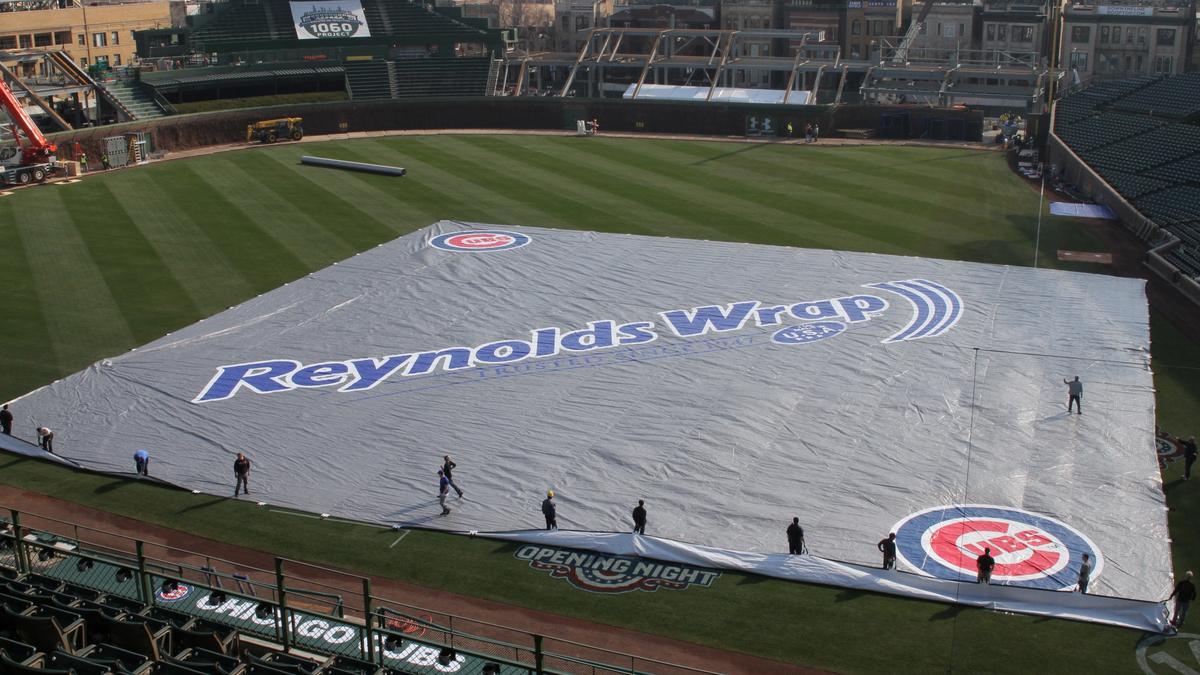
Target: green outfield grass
95	268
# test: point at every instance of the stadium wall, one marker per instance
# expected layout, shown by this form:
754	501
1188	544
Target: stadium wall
193	131
1072	168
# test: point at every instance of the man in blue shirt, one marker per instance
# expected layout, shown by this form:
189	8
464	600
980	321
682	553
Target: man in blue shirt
443	491
141	460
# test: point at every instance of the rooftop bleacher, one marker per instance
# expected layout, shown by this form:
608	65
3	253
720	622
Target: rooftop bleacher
1141	135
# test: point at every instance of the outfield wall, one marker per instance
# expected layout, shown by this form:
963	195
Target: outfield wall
521	113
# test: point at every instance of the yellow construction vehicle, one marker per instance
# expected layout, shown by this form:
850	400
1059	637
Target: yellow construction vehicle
269	131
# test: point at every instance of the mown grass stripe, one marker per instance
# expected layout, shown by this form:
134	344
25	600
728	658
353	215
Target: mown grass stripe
81	312
28	357
304	189
205	274
142	283
258	257
309	241
620	201
740	219
406	203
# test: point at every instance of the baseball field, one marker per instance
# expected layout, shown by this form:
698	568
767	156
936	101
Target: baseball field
97	267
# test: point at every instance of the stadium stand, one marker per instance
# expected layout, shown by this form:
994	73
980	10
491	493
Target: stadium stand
251	48
1142	137
71	606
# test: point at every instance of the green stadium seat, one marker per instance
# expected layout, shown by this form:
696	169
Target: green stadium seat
19	651
13	667
209	636
208	661
41	628
139	634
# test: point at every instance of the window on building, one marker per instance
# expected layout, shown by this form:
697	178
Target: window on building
99	40
1079	61
1128	63
1130	34
1163	64
83	61
116	38
1116	35
43	40
8	41
1166	37
61	38
962	30
856	28
1081	34
26	41
581	23
1002	32
82	40
116	59
990	32
1142	33
1105	34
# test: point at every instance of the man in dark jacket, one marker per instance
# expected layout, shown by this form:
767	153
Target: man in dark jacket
549	511
6	420
888	548
795	535
1189	457
241	471
639	518
448	466
985	564
1184	594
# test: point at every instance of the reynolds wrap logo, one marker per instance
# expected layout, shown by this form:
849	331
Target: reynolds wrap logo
330	22
598	573
935	310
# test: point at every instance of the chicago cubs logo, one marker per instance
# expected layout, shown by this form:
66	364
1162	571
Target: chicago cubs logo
598	573
808	332
1031	550
177	592
480	240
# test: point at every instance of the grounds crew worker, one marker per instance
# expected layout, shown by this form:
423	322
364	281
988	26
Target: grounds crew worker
241	471
6	420
1074	395
888	548
985	563
639	518
795	535
549	511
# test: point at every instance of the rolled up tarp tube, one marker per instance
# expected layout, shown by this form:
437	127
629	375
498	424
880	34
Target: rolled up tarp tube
353	166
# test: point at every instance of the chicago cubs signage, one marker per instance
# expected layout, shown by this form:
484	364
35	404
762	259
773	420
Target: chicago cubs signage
176	593
1169	449
1031	550
935	310
599	573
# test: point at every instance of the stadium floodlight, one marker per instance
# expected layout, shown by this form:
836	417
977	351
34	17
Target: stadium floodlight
217	598
392	643
447	655
169	586
124	574
84	564
45	554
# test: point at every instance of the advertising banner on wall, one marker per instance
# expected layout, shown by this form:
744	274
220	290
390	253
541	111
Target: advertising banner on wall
325	20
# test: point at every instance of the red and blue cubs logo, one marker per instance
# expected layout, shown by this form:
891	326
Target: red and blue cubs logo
1031	550
480	240
178	592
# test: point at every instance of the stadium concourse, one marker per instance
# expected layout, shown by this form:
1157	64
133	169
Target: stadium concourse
731	386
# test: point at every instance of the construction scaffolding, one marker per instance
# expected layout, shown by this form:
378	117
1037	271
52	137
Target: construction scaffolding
614	61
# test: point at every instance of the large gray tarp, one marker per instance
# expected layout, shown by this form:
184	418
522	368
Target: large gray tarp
731	386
